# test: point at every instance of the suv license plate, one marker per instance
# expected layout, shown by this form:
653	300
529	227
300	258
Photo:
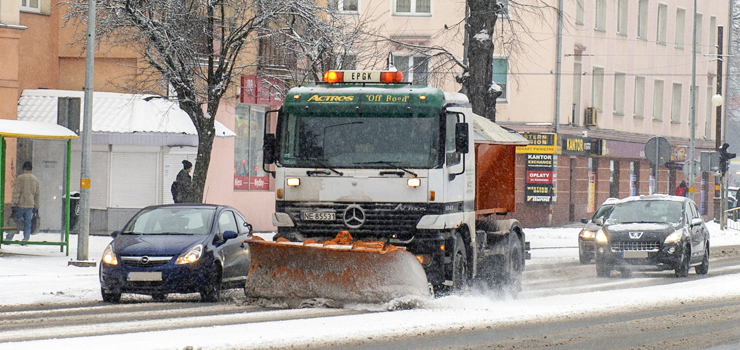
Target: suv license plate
319	216
145	276
634	254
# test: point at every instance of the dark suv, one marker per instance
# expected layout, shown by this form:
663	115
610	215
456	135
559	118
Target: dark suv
660	231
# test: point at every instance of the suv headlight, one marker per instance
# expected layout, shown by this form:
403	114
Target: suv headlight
191	256
601	237
109	257
673	237
586	234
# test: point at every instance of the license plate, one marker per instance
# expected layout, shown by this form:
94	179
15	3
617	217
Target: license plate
634	254
319	216
144	276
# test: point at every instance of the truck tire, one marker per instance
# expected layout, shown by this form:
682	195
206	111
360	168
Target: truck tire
515	266
459	271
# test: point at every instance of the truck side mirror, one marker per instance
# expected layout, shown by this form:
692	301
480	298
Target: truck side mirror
461	137
269	149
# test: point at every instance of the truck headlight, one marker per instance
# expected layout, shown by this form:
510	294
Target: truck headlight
109	257
673	237
414	182
601	237
191	256
293	181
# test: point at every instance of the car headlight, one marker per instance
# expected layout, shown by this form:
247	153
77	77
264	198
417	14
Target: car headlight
587	234
109	257
191	256
673	237
601	237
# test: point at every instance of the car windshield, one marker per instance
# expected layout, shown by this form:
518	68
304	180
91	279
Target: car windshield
653	211
172	221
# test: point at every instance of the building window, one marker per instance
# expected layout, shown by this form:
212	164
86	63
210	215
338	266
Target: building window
710	116
31	5
275	55
622	17
415	68
658	100
639	105
619	93
500	74
662	23
579	12
600	15
642	20
712	35
680	27
249	128
699	21
414	7
344	5
676	103
597	90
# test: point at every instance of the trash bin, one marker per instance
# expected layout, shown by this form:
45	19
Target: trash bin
74	213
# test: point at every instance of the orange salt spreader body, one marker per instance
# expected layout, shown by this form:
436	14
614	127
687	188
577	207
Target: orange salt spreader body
340	269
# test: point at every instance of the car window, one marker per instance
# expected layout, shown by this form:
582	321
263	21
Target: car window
226	222
602	212
694	211
242	224
647	211
158	221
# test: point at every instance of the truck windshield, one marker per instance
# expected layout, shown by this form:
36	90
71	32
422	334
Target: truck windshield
361	141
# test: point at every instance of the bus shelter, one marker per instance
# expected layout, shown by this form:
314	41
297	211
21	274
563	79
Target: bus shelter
36	130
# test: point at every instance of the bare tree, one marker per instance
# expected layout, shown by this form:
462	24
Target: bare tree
479	30
196	47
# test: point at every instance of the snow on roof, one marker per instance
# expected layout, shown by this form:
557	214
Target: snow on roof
115	112
34	130
487	131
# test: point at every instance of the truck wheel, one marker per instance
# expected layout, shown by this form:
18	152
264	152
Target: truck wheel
459	271
513	277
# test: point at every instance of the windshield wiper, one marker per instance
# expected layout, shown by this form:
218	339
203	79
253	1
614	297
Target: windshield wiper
316	162
390	164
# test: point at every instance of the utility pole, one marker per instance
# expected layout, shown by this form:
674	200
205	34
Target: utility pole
692	119
84	223
718	133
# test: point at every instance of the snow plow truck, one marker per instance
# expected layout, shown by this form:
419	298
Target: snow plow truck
383	190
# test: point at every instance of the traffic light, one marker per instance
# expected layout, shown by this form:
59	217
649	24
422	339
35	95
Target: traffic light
724	158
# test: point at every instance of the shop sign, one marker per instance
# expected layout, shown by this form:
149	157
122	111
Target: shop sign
576	145
539	143
540	178
251	183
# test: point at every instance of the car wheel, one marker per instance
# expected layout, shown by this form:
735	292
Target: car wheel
704	267
602	269
110	297
159	296
212	290
584	259
682	270
626	273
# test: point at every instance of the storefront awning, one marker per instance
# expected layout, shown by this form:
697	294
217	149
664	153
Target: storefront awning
34	130
487	131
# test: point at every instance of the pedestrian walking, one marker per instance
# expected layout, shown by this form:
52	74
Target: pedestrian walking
25	201
181	187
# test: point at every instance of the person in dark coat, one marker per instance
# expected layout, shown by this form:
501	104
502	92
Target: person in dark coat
682	189
183	182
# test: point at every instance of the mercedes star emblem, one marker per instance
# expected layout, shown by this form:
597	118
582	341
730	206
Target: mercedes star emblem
354	216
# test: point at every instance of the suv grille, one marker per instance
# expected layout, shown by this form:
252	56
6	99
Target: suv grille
152	261
635	245
382	219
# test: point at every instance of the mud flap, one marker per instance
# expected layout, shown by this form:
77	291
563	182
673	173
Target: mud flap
341	269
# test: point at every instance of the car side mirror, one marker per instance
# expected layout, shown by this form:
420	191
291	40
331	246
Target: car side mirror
115	233
249	228
599	221
584	221
696	221
230	235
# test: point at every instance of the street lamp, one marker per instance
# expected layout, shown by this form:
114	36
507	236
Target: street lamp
717	100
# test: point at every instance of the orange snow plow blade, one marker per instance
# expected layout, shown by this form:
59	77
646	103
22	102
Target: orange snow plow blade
340	269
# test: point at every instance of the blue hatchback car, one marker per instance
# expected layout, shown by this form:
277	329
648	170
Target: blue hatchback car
179	248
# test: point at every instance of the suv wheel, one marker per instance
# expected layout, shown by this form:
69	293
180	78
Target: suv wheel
704	267
682	270
602	269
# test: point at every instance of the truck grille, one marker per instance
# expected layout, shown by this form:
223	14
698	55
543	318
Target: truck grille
635	245
381	219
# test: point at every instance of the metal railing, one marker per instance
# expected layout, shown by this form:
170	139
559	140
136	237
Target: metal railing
733	218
